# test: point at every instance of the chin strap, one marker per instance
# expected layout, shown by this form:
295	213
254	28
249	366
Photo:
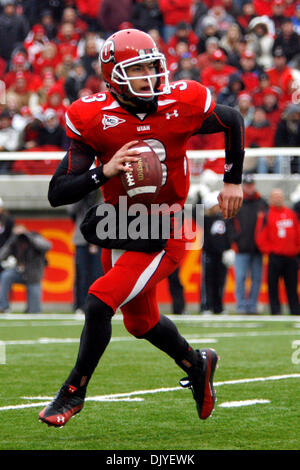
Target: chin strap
139	105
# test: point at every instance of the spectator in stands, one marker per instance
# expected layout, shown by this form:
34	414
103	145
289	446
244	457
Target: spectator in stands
288	134
230	38
278	235
147	15
46	59
246	15
87	257
270	104
29	250
287	39
67	40
75	81
215	243
95	82
90	35
259	132
13	29
183	33
70	15
249	70
181	50
278	14
51	133
216	76
19	63
187	69
281	76
90	57
110	17
219	14
204	59
261	39
23	88
173	12
248	259
35	42
9	138
257	93
229	95
50	27
206	28
245	107
66	62
55	100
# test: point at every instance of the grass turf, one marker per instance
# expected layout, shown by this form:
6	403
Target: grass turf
163	420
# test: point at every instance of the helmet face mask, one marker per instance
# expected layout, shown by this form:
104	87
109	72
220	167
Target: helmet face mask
127	48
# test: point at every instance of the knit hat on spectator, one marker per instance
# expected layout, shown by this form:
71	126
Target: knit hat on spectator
218	56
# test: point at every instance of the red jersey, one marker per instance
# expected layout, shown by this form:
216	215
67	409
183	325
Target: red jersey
102	123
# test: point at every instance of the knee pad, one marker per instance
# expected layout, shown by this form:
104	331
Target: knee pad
95	307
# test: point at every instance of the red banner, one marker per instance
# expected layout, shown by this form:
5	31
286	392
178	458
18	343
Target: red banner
59	274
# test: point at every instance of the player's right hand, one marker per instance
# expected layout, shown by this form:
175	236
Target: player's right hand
117	163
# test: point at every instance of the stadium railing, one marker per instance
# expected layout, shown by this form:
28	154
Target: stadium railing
25	185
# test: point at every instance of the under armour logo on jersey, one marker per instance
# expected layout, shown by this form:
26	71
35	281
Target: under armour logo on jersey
95	178
175	114
111	121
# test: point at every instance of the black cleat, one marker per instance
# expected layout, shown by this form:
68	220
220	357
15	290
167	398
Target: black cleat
200	381
67	402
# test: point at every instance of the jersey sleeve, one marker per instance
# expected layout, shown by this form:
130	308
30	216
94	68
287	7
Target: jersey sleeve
74	127
201	103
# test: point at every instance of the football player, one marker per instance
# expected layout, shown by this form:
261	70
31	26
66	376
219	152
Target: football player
140	104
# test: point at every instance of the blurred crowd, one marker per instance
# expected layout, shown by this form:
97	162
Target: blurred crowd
263	228
247	53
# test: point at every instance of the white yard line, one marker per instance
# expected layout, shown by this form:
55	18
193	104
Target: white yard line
181	318
207	338
237	404
127	396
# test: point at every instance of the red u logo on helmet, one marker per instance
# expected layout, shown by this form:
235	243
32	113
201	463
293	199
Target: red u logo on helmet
107	53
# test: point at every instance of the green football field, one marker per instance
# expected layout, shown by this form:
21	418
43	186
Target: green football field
134	400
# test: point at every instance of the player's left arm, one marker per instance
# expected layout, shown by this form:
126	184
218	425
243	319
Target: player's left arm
230	121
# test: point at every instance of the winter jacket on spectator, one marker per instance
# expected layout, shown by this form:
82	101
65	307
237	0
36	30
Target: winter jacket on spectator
175	11
29	249
278	232
13	30
110	17
88	8
242	226
217	75
147	15
288	42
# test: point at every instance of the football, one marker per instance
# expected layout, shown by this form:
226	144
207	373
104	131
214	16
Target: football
142	185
